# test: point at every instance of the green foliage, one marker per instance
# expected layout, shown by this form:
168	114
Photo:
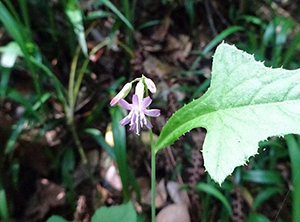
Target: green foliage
264	195
55	218
121	213
114	9
22	37
67	168
219	38
118	152
258	218
46	40
245	104
294	153
210	189
74	13
262	176
97	135
4	214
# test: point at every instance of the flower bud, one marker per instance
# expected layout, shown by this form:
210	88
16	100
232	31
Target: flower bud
150	84
123	93
139	90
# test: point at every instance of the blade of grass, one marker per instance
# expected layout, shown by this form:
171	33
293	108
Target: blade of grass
257	218
24	10
75	16
97	135
16	96
119	136
264	195
253	19
19	126
201	88
209	189
4	214
220	37
19	35
56	83
112	7
189	7
291	50
149	24
281	36
11	8
16	131
67	167
262	176
99	14
5	73
12	26
294	152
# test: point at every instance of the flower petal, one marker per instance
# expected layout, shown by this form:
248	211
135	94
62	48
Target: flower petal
125	104
148	124
135	100
152	112
146	102
125	120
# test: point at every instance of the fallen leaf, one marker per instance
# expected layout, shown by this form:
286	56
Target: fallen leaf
178	196
174	213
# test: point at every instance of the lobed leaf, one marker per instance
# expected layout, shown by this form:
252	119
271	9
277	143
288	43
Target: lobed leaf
246	103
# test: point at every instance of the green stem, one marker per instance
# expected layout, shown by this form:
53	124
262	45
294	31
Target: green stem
77	141
74	84
153	175
24	11
127	13
72	97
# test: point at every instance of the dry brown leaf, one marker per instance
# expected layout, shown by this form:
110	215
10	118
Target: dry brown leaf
162	31
93	158
179	48
81	213
174	213
160	196
52	137
178	196
144	184
154	66
48	195
113	178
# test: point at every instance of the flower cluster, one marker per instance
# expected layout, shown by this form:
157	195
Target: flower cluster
138	112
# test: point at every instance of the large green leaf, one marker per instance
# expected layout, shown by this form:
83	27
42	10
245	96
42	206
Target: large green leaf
56	218
121	213
246	103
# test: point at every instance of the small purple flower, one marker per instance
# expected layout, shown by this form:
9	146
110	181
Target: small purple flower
138	112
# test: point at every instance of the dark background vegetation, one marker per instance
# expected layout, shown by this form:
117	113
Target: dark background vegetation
45	124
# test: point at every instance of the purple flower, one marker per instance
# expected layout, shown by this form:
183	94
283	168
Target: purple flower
138	112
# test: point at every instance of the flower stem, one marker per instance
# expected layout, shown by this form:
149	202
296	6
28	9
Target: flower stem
153	173
77	141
